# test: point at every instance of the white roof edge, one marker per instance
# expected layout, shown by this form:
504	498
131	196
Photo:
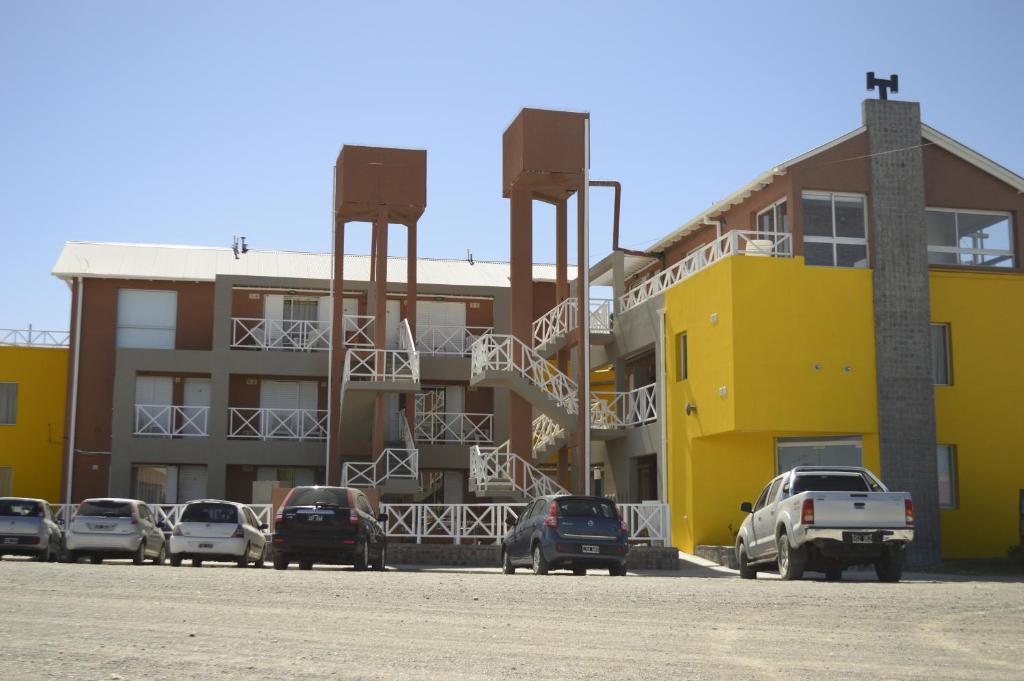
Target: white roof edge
974	158
758	183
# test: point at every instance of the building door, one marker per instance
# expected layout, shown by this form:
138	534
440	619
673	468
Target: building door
191	483
392	419
448	320
647	478
152	393
392	314
195	409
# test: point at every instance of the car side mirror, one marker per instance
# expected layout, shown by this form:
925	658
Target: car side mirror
264	526
747	507
383	517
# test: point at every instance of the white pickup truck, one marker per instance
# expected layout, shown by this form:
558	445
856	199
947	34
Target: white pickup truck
825	519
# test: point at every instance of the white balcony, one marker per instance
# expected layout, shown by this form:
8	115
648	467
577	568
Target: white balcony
454	428
280	334
624	410
376	366
448	340
553	327
259	423
168	421
34	338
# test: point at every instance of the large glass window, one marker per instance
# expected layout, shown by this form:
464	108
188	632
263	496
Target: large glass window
947	476
146	319
8	404
835	229
976	238
942	368
773	220
823	451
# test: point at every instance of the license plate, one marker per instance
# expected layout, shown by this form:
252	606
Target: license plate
590	549
206	545
10	540
862	538
101	526
315	518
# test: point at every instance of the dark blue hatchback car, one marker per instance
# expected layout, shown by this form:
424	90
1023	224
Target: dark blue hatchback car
569	533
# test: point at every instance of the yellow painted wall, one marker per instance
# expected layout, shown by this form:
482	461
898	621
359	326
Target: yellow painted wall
981	413
34	445
776	319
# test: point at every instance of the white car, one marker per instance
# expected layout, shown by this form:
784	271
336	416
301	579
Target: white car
216	530
115	528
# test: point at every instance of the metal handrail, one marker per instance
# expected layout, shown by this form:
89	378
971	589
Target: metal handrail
735	242
280	334
264	423
498	469
164	420
357	330
461	428
562	319
448	340
507	353
35	338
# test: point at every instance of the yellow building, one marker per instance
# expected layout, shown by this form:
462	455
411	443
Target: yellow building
33	380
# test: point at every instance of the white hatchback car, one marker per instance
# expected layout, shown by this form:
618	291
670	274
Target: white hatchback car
216	530
115	528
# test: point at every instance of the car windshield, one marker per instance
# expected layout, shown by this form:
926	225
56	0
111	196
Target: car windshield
323	496
829	482
22	509
210	513
587	508
106	509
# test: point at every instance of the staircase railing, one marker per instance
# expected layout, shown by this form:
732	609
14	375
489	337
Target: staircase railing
374	364
546	433
562	319
498	469
392	464
508	353
734	242
622	410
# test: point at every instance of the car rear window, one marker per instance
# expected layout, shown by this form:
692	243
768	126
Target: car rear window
587	508
23	509
106	509
325	496
210	513
829	482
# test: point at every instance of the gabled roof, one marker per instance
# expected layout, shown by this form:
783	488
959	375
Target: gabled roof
203	263
928	133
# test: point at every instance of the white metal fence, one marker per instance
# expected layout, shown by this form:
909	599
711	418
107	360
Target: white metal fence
35	338
563	318
167	515
509	354
623	410
496	469
260	423
448	340
156	420
280	334
373	364
442	427
357	330
735	242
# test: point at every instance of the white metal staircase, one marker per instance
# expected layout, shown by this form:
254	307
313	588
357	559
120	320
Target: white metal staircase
393	463
379	366
497	471
609	411
552	329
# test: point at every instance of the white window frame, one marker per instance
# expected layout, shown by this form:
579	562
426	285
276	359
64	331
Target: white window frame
14	422
949	353
774	210
839	240
958	250
954	477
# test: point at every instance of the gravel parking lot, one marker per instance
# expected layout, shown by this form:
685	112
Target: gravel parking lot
117	621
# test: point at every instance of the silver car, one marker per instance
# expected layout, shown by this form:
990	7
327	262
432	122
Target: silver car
27	528
115	528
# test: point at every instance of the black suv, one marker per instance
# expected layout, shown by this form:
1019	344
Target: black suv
334	525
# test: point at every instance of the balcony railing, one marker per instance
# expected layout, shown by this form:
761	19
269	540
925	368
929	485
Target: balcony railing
439	427
496	469
161	420
34	338
560	320
448	340
735	242
627	409
393	463
357	330
373	364
261	423
280	334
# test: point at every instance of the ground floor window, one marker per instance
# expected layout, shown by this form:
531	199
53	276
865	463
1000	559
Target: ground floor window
646	478
168	484
791	452
6	481
947	475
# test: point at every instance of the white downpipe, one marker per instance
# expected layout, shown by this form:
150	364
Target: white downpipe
584	266
330	344
74	393
717	225
663	420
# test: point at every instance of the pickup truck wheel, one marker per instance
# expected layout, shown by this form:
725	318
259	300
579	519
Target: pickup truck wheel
791	560
889	567
747	570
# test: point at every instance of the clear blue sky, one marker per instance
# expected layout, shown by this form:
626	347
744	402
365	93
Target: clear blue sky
188	122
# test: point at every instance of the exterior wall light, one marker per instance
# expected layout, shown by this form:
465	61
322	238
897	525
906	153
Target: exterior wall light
817	366
714	318
690	408
847	369
722	391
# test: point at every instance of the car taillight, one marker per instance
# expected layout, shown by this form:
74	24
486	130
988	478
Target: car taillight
238	533
908	508
552	518
176	531
135	518
278	520
353	517
622	523
807	512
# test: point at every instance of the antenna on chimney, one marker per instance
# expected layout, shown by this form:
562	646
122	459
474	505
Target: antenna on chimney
883	85
239	246
469	257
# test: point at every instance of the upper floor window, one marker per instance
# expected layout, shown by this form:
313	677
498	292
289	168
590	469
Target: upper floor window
835	229
942	368
969	237
8	404
681	357
773	220
146	319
